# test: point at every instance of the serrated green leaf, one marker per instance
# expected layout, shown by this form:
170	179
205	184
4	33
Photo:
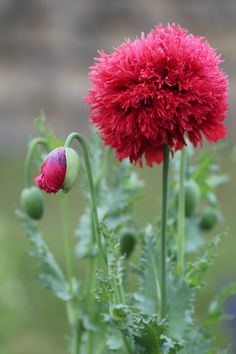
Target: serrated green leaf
194	236
46	133
48	271
149	337
197	342
83	233
196	269
114	261
148	296
179	307
117	187
215	312
215	180
168	345
114	341
104	290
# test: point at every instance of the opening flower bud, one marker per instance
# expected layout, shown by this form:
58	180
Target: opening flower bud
32	202
59	170
209	218
127	244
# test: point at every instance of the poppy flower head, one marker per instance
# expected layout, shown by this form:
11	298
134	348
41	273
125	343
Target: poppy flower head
157	90
58	171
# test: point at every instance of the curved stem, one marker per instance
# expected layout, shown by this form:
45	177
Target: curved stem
95	219
181	214
31	149
163	229
84	149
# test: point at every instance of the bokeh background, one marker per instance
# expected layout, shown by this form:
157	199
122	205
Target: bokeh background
46	48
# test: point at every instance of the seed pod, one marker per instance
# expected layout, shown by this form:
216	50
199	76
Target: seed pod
127	244
209	218
32	202
192	197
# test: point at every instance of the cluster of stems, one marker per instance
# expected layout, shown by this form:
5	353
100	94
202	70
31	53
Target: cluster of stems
119	295
96	239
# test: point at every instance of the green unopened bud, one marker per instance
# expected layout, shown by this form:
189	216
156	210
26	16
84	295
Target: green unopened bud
209	218
192	197
127	244
32	202
72	168
117	312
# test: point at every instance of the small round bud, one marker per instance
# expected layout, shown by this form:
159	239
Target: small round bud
192	197
32	202
209	218
127	244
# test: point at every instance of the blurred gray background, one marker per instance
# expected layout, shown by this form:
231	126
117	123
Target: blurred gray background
46	48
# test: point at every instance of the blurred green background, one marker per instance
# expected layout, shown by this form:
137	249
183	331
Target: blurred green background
46	48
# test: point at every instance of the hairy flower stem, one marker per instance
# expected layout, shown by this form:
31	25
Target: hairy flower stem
95	219
93	260
120	299
84	149
89	295
181	214
163	229
31	149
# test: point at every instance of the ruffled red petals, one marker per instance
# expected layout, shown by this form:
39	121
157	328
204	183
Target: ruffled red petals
53	171
158	89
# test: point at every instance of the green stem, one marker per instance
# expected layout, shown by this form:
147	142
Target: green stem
73	319
119	297
31	149
103	167
66	239
95	219
84	149
92	267
181	214
77	337
127	344
91	285
163	229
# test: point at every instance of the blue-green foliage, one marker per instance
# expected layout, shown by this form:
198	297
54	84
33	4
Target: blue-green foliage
123	318
47	269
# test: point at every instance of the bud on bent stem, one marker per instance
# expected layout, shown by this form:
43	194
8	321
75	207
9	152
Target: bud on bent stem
31	149
59	170
32	201
84	149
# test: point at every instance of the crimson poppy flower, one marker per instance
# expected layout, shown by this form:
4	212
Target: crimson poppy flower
159	89
58	171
